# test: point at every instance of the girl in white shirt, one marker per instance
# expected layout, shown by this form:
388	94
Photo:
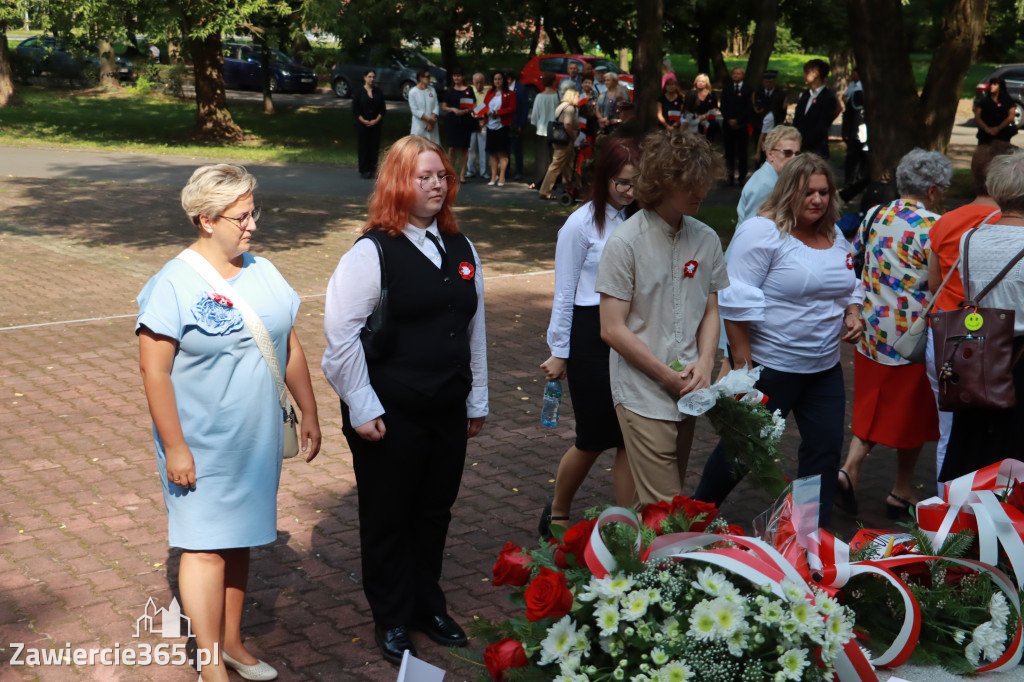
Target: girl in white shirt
576	326
793	297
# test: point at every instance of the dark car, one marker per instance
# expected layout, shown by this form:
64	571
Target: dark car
243	70
1014	75
44	54
395	69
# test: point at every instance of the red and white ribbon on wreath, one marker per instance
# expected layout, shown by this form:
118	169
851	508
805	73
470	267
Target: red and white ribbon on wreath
757	561
972	502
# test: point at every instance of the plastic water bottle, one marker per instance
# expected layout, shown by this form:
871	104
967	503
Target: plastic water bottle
552	398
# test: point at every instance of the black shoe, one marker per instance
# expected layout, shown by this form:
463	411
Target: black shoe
393	642
443	630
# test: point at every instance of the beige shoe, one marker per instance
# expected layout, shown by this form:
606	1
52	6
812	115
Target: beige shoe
259	671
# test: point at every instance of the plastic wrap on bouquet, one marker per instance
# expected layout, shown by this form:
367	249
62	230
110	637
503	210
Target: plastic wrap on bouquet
738	383
979	501
791	527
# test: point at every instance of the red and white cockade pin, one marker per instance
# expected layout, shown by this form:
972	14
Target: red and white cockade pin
466	270
220	298
849	261
690	269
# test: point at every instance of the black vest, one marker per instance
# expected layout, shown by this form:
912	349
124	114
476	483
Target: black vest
431	309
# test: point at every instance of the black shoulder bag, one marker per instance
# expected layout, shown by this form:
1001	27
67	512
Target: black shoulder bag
377	334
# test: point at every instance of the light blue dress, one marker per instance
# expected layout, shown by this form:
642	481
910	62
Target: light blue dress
227	402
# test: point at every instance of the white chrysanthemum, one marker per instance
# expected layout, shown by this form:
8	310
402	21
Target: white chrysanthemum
702	622
728	616
990	639
793	663
838	629
959	636
607	618
676	671
793	591
827	606
617	586
653	595
807	620
830	650
973	654
999	609
569	664
710	581
560	640
771	613
658	656
671	629
634	605
737	641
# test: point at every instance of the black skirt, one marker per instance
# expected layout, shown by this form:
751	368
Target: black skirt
497	140
597	427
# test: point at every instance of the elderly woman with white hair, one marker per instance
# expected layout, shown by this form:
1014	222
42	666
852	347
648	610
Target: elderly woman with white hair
892	399
217	415
982	437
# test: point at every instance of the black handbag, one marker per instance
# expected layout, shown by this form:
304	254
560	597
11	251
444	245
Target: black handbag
557	133
377	334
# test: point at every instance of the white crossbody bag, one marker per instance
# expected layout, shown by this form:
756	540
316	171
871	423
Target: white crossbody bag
259	334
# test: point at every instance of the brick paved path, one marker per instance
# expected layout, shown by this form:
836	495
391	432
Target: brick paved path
83	531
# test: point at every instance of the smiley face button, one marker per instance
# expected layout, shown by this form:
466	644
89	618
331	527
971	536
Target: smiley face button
973	322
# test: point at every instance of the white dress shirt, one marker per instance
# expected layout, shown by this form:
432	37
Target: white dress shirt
352	294
794	296
577	256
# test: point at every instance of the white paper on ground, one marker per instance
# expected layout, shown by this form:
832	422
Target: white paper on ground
415	670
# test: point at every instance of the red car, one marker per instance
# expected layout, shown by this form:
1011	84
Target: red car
558	64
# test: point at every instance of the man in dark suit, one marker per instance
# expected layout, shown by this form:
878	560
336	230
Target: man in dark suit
766	100
735	135
519	120
817	108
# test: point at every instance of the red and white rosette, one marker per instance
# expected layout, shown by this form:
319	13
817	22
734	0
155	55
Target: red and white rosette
750	558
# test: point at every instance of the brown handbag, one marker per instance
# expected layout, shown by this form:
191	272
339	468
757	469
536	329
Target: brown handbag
974	356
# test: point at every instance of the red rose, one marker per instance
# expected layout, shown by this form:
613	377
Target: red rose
1016	498
502	655
694	508
548	596
511	568
654	513
733	529
574	542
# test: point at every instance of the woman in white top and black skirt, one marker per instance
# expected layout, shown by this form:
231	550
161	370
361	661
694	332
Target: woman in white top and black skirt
793	297
576	326
410	400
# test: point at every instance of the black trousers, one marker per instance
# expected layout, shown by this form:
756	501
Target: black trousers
407	484
367	147
818	401
737	149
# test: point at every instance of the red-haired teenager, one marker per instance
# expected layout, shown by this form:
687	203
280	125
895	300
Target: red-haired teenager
409	405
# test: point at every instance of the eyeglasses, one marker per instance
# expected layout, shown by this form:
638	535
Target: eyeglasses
788	153
241	221
622	185
427	182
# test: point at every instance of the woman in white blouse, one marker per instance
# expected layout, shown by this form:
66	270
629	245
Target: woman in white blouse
424	107
793	297
411	398
576	325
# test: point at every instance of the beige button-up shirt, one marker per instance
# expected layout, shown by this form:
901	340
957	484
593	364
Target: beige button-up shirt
667	275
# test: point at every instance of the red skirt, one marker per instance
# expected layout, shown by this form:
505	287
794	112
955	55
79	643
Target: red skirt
893	405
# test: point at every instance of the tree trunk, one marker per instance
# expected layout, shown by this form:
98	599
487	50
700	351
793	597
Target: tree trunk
108	67
764	42
720	71
538	26
624	60
891	105
8	97
132	40
572	38
449	55
213	120
268	97
962	29
702	40
839	68
647	62
174	48
554	43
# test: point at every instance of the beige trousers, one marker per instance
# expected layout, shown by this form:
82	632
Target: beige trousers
658	452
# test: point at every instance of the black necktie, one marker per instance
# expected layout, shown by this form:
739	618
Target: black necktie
438	245
737	88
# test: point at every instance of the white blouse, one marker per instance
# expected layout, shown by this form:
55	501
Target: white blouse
794	296
577	256
352	294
